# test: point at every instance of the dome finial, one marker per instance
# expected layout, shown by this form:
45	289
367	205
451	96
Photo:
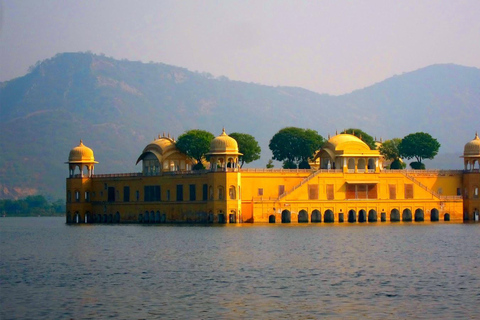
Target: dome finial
476	135
81	141
336	132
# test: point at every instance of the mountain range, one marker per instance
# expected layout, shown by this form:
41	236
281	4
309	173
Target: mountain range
117	107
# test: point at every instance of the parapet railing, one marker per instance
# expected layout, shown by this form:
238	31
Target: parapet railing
275	170
114	175
423	172
290	170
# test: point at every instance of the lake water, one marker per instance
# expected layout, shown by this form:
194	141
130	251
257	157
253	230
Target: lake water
50	270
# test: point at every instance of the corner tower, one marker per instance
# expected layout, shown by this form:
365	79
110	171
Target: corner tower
79	185
471	180
225	179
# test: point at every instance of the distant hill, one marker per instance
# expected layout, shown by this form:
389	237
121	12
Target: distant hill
117	107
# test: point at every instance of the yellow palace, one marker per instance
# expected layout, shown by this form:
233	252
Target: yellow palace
347	183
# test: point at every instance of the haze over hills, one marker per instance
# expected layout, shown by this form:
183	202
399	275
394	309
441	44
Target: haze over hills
117	107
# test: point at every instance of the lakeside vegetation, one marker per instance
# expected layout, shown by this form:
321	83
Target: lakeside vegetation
32	206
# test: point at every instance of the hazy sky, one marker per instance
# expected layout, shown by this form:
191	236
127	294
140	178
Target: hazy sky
326	46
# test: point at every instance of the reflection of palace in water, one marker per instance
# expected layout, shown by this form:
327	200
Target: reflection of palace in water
347	183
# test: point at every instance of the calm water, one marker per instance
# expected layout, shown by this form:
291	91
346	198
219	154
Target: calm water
53	271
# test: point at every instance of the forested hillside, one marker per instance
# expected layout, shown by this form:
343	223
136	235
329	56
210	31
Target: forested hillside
117	107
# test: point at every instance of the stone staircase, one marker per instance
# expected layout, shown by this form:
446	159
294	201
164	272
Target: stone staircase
310	177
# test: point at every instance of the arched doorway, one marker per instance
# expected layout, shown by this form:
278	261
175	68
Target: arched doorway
303	216
362	216
117	217
152	217
271	218
328	216
434	216
407	215
221	218
419	215
231	217
140	217
352	216
158	217
372	216
286	216
316	216
202	217
446	217
394	215
76	217
146	217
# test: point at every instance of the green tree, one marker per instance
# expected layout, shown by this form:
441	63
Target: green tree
389	149
420	146
270	164
247	146
295	145
365	137
195	144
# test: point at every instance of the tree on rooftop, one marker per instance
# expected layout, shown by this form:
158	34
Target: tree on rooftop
389	149
295	146
420	146
195	144
247	146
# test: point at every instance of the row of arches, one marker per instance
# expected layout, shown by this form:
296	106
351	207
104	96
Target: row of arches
198	217
88	217
152	217
362	216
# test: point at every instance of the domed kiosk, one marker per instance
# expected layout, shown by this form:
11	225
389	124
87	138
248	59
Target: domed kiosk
471	154
223	153
348	152
471	179
82	157
162	155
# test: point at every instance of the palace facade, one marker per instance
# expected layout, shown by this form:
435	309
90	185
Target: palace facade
347	183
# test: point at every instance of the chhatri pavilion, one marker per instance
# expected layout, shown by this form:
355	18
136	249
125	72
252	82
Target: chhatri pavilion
347	183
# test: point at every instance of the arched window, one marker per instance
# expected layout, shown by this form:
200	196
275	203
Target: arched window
361	165
232	193
220	193
351	165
